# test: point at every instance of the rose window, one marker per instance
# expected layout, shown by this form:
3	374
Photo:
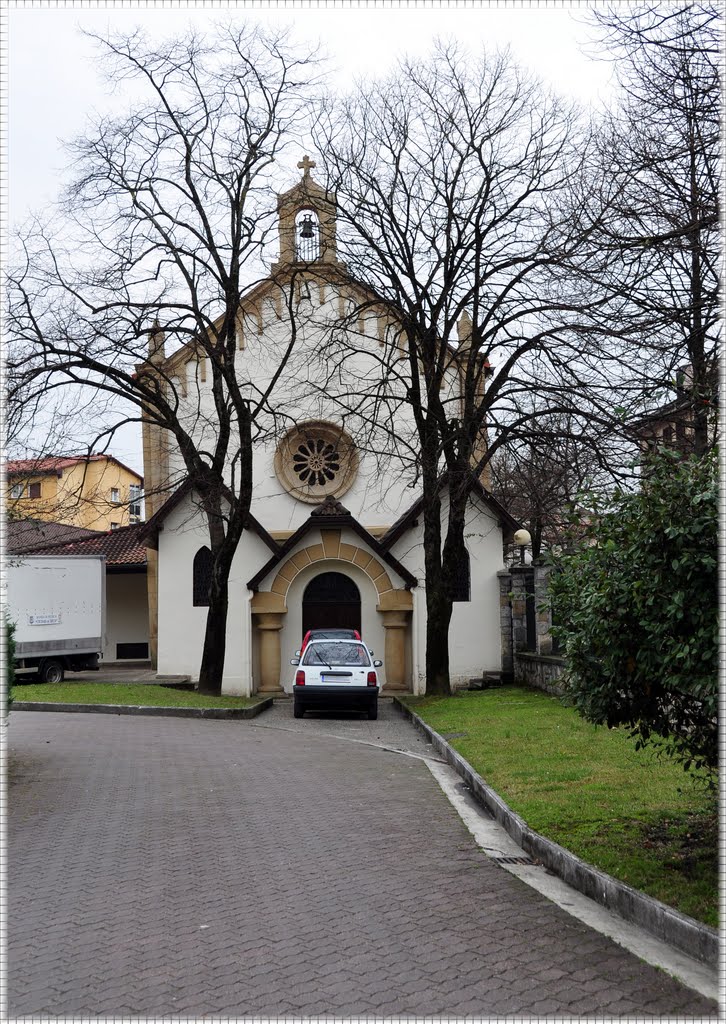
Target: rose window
316	460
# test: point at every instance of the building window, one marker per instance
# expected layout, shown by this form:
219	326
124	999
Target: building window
115	495
135	503
16	491
114	526
137	650
461	585
201	578
316	460
34	490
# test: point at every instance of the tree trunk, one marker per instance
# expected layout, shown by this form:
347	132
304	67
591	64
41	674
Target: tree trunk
438	618
215	639
223	544
438	607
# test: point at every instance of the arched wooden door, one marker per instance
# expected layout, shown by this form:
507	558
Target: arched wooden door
331	601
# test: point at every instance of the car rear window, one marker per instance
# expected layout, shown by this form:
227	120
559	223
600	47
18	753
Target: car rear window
336	654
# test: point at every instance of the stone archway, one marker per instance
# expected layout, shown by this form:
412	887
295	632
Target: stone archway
394	605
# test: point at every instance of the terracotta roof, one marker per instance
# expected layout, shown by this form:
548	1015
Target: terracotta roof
56	463
28	534
120	547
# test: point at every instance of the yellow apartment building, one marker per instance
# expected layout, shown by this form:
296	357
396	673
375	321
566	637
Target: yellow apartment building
96	492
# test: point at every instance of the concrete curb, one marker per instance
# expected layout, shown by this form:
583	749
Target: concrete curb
133	709
690	936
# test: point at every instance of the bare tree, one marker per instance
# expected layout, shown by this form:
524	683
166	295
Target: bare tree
546	476
447	175
160	235
649	204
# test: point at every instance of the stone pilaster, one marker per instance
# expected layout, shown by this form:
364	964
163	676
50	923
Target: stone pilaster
505	624
267	611
543	608
519	608
396	607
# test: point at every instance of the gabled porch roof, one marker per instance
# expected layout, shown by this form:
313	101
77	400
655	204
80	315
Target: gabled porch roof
332	515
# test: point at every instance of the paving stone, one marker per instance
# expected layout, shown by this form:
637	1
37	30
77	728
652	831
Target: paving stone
272	867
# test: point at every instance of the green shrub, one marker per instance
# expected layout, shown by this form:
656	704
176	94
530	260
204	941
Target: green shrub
637	607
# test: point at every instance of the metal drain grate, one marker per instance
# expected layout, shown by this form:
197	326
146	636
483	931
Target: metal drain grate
513	860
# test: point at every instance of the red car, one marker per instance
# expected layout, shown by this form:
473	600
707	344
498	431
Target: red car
327	634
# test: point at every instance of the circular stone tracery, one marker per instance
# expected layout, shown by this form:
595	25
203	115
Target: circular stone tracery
316	460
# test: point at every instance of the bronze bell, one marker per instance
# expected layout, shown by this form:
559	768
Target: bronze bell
306	228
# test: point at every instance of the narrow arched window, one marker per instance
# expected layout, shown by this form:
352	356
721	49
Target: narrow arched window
202	577
307	236
461	584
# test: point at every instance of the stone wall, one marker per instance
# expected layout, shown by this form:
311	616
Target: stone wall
541	671
539	667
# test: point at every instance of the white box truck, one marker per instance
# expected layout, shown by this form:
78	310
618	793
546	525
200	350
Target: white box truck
58	605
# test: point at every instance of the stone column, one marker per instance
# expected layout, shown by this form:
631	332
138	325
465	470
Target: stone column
268	609
269	625
395	624
519	608
505	624
396	607
544	609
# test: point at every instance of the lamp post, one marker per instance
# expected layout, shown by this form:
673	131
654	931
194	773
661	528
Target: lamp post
522	538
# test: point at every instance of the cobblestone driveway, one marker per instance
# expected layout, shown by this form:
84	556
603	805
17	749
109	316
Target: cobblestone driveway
265	868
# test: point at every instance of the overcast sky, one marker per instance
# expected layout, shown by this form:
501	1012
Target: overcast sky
54	83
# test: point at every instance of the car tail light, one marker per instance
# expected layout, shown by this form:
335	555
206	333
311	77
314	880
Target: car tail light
372	679
299	678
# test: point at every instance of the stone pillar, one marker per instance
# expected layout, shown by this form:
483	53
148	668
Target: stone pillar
268	609
396	607
395	624
505	624
544	609
519	608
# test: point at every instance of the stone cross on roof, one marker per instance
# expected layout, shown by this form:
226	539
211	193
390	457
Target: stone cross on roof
305	164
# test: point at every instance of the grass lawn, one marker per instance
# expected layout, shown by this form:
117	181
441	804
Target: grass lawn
125	693
637	816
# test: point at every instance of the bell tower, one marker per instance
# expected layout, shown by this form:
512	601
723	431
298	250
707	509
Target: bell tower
306	222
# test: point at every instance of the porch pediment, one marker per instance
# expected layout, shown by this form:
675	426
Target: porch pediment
324	527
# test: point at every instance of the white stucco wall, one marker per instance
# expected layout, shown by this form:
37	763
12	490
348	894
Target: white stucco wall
181	625
127	612
474	636
379	494
474	642
308	390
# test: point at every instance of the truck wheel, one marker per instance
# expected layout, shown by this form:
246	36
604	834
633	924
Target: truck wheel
297	710
373	712
51	671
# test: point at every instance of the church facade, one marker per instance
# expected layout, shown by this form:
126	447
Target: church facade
335	536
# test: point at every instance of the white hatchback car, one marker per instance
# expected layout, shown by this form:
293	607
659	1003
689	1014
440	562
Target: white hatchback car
336	674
